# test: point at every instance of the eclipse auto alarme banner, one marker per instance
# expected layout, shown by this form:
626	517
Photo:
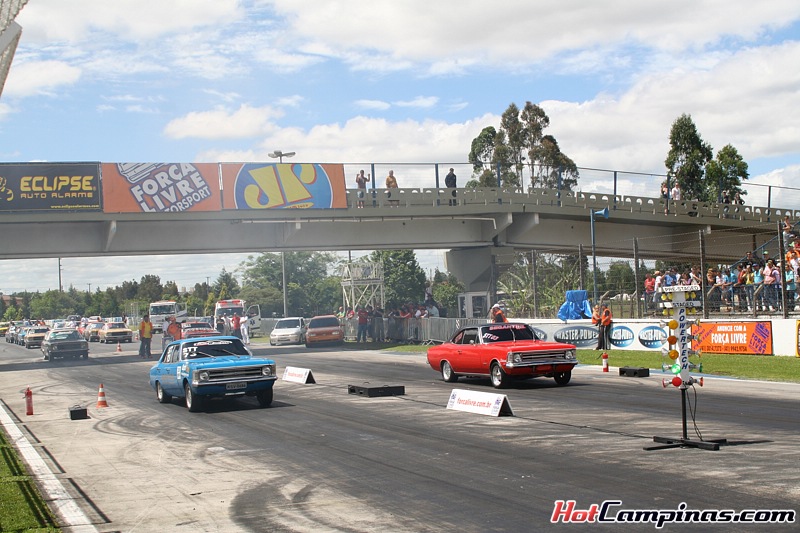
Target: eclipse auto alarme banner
733	337
283	185
49	186
160	187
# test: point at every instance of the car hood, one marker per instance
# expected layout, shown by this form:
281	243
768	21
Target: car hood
286	331
228	361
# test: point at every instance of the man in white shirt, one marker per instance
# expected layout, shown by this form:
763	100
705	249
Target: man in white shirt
676	192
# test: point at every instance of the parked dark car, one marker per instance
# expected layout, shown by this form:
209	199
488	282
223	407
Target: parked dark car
64	343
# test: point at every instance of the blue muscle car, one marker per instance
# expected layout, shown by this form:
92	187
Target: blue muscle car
202	368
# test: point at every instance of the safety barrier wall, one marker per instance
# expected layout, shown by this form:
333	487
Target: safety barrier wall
626	334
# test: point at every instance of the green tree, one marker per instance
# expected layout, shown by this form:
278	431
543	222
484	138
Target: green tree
403	278
552	168
620	278
171	291
725	174
481	156
149	290
446	289
55	304
687	159
226	285
521	137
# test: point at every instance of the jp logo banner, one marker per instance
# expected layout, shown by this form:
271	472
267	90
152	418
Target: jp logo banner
283	185
50	186
160	187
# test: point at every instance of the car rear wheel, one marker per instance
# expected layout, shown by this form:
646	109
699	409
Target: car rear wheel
447	373
265	398
499	377
562	378
161	396
193	403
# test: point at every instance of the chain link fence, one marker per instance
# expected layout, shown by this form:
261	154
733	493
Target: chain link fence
535	285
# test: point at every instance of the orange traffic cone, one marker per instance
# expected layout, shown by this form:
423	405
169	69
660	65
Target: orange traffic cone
101	397
119	347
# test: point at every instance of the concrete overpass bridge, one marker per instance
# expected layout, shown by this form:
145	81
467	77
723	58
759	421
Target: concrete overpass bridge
483	230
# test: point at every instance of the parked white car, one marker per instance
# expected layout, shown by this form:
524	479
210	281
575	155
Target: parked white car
291	330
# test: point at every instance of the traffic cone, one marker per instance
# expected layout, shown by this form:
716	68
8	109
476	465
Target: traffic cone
119	347
605	361
101	397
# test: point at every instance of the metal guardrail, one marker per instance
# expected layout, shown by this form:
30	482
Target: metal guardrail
444	197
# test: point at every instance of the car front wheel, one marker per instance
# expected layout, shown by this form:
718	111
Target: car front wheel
447	373
562	378
193	403
161	396
499	377
265	398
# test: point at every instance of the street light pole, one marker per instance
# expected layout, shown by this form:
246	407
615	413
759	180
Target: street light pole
604	214
283	271
277	154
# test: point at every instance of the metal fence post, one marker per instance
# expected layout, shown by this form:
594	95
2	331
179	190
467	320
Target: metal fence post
703	283
636	279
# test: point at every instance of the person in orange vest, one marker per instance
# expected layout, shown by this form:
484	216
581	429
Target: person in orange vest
603	320
497	314
145	337
174	329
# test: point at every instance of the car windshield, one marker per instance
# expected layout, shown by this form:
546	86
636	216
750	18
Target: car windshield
40	330
230	311
213	348
65	336
162	309
116	325
95	326
196	325
324	322
289	323
507	332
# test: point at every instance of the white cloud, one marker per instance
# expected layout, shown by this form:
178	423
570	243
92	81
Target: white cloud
40	77
378	105
523	31
78	20
419	102
222	123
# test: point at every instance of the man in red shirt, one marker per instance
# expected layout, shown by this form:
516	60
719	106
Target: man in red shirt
236	321
363	325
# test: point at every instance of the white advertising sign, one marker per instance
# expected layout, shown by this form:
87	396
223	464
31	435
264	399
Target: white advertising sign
298	375
482	403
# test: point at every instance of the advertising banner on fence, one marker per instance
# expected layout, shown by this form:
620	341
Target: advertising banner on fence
733	337
49	186
160	187
283	185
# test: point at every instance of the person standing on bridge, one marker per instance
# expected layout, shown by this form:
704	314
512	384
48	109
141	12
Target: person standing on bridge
145	337
361	183
450	183
391	183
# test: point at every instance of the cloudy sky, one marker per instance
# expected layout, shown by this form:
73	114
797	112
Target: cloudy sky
357	81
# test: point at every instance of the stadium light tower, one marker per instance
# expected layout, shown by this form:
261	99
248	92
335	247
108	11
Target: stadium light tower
280	155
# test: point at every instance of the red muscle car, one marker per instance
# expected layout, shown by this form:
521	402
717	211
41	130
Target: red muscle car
502	351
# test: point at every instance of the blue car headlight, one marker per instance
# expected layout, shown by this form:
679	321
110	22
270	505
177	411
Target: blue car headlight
268	370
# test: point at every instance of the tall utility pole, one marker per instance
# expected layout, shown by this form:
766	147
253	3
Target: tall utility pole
60	285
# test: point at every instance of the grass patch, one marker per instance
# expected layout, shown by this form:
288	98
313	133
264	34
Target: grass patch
22	508
762	367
